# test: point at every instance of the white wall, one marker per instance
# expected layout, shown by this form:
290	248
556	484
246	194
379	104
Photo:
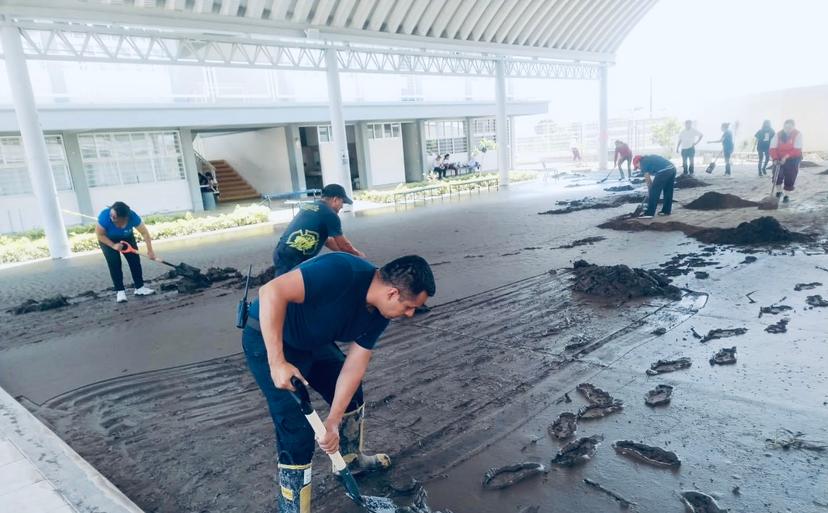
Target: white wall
144	198
260	156
327	157
387	163
488	160
21	212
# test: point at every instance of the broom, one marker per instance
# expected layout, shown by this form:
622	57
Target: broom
771	202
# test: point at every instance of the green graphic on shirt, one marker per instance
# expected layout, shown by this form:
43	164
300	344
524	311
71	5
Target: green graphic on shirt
313	207
304	241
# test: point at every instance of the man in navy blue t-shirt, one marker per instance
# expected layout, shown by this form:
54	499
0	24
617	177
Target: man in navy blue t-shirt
317	224
660	175
727	146
292	331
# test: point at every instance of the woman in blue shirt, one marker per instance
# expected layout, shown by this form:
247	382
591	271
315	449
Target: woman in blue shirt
115	225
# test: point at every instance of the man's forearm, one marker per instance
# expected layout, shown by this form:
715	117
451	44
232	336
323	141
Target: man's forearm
346	386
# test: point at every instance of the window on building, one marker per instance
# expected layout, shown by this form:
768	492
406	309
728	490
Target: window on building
485	128
445	137
125	158
383	130
324	133
14	174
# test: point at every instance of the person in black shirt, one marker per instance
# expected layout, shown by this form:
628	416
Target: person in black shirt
762	142
317	224
292	331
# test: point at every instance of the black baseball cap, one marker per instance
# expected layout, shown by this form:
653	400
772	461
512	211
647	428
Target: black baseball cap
335	190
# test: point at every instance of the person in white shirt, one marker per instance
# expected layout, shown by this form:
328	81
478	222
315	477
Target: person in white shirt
687	141
437	167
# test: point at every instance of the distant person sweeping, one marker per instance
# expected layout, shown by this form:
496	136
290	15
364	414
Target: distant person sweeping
727	146
762	142
317	224
687	141
786	152
292	332
660	175
115	227
623	153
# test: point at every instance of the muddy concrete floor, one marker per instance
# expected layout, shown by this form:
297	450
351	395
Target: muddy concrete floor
155	395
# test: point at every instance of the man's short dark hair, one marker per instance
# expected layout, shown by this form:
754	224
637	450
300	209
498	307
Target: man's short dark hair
121	209
410	274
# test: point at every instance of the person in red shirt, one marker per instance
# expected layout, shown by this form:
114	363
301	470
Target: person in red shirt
623	153
786	152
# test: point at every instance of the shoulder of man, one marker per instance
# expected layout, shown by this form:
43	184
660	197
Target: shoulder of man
103	217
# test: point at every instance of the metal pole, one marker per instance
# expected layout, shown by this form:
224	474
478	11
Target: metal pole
500	123
34	144
339	138
602	122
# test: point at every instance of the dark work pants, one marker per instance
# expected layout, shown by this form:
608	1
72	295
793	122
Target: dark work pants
727	154
621	163
687	157
764	156
321	367
113	261
664	181
285	259
787	173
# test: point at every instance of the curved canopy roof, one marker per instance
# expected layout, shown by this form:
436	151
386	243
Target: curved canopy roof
590	30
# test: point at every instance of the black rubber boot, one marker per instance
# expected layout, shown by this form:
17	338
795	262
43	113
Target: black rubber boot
294	488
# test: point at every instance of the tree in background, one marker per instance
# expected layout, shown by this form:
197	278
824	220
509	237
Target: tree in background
665	133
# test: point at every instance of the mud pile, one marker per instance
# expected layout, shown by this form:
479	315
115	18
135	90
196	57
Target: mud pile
717	201
503	477
191	279
647	453
621	281
763	230
32	305
257	280
582	242
595	203
689	182
620	188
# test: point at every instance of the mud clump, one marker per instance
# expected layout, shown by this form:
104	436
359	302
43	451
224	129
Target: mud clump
763	230
718	201
663	366
773	310
503	477
701	275
565	426
419	504
659	331
578	451
621	281
689	182
597	411
787	440
218	274
577	342
816	301
807	286
659	396
257	280
723	333
647	453
594	394
595	203
624	503
779	327
620	188
749	259
582	242
32	305
725	356
697	502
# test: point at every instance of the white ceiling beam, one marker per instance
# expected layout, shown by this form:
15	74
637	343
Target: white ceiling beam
361	13
343	12
301	11
562	18
513	21
323	12
397	15
229	7
380	14
413	17
630	22
430	15
502	16
279	10
538	22
254	9
459	17
442	21
585	17
483	23
573	21
603	26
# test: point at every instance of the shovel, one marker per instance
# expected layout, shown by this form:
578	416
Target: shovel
181	269
712	165
771	202
366	502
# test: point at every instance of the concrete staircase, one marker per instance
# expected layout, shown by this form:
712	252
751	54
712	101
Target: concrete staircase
231	185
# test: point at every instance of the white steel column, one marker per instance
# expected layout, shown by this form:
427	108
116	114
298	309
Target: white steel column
34	144
602	121
500	123
342	173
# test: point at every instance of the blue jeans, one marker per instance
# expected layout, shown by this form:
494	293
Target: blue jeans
764	156
320	366
687	157
664	181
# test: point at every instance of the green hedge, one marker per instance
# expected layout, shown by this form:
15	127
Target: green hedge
21	247
387	195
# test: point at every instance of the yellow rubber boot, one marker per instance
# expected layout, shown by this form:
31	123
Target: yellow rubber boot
295	488
351	444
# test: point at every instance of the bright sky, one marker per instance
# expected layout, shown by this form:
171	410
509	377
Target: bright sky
699	51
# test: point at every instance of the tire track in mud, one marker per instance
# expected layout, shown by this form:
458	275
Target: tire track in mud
444	386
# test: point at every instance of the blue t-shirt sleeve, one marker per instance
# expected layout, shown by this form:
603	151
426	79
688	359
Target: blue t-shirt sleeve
369	339
325	279
103	218
334	225
134	219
